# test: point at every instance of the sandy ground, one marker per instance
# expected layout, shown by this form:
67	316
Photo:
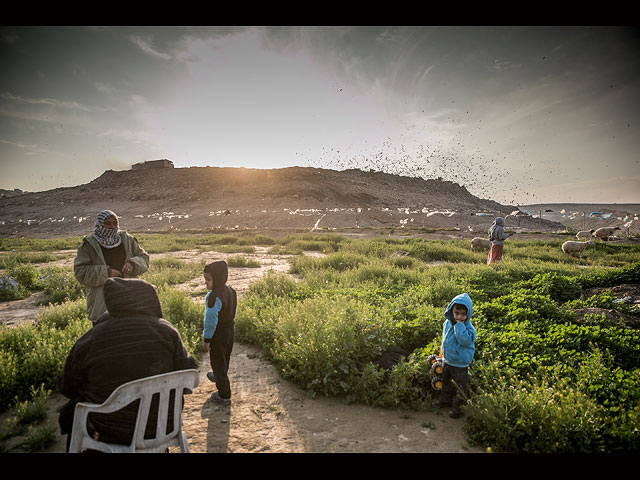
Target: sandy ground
270	414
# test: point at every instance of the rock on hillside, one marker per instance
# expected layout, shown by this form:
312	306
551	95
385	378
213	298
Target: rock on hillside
165	199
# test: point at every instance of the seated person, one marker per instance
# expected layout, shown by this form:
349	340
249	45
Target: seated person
129	341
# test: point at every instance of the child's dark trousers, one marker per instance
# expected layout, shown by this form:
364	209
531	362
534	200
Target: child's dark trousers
449	393
220	355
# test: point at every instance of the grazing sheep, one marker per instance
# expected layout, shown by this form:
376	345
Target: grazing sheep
480	242
604	233
584	234
570	246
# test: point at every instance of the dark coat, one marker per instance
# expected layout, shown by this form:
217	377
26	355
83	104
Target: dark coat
129	342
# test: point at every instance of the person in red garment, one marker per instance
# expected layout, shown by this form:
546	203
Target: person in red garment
497	238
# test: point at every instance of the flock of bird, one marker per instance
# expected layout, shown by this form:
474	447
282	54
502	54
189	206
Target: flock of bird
484	177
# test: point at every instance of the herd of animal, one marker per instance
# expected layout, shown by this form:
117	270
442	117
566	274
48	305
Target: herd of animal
569	247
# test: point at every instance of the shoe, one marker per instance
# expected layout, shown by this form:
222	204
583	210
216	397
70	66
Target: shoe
215	396
455	413
440	403
211	377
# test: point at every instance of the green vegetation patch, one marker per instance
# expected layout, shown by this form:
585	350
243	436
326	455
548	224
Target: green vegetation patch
544	379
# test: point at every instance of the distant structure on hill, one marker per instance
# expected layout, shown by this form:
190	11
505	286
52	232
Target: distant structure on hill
163	163
10	193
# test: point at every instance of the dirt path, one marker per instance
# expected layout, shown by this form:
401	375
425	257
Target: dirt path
271	414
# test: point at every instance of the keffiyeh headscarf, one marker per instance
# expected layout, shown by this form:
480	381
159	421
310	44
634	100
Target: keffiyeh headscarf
107	237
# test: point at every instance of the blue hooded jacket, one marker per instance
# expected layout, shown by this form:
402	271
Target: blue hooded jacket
458	339
220	302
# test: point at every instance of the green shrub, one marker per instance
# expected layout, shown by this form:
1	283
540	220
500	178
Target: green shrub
435	251
610	278
9	261
40	244
34	354
28	417
235	249
34	410
26	276
339	262
39	438
10	289
318	342
240	261
60	285
532	416
171	271
185	314
560	288
63	315
274	285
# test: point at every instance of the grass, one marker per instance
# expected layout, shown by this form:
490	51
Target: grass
242	262
29	423
171	271
543	379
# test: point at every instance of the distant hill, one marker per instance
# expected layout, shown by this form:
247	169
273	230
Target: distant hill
161	199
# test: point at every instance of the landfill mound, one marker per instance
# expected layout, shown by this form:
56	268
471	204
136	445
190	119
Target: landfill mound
202	198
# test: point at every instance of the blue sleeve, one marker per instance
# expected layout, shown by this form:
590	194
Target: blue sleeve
211	318
465	335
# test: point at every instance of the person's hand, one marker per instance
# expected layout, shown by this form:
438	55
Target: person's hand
207	346
114	273
127	268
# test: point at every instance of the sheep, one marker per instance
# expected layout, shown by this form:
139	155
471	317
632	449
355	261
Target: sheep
571	246
604	233
584	234
480	242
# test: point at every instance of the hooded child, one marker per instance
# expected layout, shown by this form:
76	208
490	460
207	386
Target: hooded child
106	253
458	347
497	238
219	327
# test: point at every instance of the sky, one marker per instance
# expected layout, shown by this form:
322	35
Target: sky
519	115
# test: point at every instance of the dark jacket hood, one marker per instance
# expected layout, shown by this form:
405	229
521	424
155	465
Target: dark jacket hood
219	272
131	296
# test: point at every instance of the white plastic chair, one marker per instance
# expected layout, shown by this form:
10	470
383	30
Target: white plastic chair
142	389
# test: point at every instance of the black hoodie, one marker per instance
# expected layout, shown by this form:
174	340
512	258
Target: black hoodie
219	272
129	342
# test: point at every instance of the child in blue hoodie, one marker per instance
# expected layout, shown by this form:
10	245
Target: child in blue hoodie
219	327
458	347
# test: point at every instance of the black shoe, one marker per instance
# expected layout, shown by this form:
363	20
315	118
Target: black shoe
215	396
211	377
440	403
455	413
